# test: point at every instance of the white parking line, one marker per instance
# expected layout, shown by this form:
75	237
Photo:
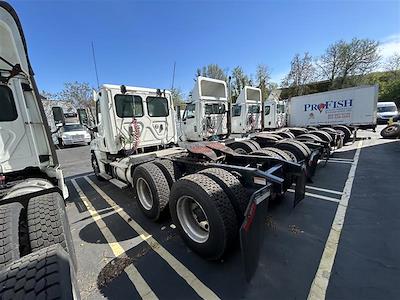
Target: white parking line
200	288
138	281
323	274
317	196
323	190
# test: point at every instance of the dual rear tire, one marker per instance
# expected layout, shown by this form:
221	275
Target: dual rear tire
207	207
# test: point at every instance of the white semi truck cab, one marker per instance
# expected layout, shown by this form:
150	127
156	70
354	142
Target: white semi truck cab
133	119
246	112
205	117
34	226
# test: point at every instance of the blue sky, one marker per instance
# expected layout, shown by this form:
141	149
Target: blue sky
137	42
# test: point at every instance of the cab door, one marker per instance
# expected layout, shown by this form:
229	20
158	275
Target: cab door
189	126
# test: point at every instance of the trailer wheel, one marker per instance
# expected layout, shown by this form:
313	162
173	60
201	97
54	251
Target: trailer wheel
345	130
242	147
151	189
297	150
284	155
312	128
391	131
48	224
44	274
9	233
264	152
204	216
233	189
170	171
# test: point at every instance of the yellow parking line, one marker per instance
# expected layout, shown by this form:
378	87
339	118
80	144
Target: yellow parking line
138	281
200	288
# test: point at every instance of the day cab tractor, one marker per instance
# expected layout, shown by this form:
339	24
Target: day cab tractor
246	112
213	193
37	257
206	114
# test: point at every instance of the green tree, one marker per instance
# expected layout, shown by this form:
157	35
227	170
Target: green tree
262	80
79	93
345	62
212	71
302	72
239	81
177	97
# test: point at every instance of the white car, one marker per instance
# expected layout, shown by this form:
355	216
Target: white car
73	134
386	110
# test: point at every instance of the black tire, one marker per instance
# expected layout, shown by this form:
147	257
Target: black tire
284	155
44	274
95	166
233	189
323	135
297	130
269	153
149	179
242	147
291	155
48	224
223	226
310	137
285	134
391	131
255	144
311	128
299	152
303	146
170	171
346	131
9	233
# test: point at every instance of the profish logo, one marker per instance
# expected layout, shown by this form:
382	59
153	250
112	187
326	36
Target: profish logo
329	105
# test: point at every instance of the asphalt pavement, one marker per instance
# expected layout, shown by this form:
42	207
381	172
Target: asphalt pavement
353	200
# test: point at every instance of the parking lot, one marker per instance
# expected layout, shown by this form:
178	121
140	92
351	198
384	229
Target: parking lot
350	209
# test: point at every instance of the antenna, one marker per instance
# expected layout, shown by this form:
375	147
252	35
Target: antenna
173	76
95	66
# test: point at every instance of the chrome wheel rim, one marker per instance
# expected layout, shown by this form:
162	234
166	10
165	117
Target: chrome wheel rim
193	219
144	193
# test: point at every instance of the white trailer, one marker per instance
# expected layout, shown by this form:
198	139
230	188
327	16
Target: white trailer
35	234
246	112
356	107
205	116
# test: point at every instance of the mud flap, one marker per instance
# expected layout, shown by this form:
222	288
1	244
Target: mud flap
252	231
300	190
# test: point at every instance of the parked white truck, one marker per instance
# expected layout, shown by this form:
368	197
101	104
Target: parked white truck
205	116
246	112
356	106
214	194
37	257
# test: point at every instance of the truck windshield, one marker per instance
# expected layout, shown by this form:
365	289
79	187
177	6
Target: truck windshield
73	127
8	111
254	109
387	109
157	106
217	108
128	106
